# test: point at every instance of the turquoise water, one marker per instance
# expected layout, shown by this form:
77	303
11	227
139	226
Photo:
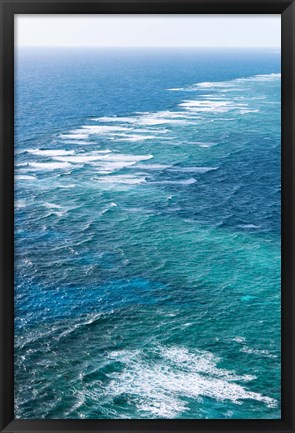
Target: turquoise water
147	234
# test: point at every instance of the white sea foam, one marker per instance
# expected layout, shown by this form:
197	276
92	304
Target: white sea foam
80	158
57	213
213	96
128	157
110	206
239	339
246	111
210	105
162	384
116	119
110	167
232	83
48	165
212	84
141	119
176	182
203	362
162	118
67	186
52	205
153	120
75	136
50	152
259	352
151	166
205	144
249	226
228	86
123	179
192	169
24	177
79	142
135	137
258	97
104	161
121	133
19	204
80	400
265	77
102	129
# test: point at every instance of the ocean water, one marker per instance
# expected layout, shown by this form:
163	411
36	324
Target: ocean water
147	234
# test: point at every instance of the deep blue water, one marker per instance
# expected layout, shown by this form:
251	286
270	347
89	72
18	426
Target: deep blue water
147	234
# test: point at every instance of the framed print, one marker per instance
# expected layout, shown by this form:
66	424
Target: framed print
147	216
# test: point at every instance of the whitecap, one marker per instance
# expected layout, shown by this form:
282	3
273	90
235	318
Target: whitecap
161	118
249	226
115	119
205	144
135	137
48	165
105	161
176	89
74	136
67	186
192	169
210	105
210	84
80	158
259	352
239	339
19	204
24	177
128	157
110	206
52	205
102	129
79	142
176	182
231	83
161	384
246	111
110	167
151	166
266	77
158	121
50	152
123	179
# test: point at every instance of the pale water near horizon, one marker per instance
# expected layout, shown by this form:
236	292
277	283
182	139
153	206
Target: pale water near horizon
147	234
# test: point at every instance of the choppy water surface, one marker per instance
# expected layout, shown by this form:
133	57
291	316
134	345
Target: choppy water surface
147	225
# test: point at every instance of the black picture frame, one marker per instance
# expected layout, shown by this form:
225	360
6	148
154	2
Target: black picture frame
8	8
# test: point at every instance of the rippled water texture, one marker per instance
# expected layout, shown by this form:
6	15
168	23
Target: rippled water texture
147	234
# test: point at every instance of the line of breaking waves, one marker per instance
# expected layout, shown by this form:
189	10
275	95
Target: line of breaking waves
156	383
158	128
